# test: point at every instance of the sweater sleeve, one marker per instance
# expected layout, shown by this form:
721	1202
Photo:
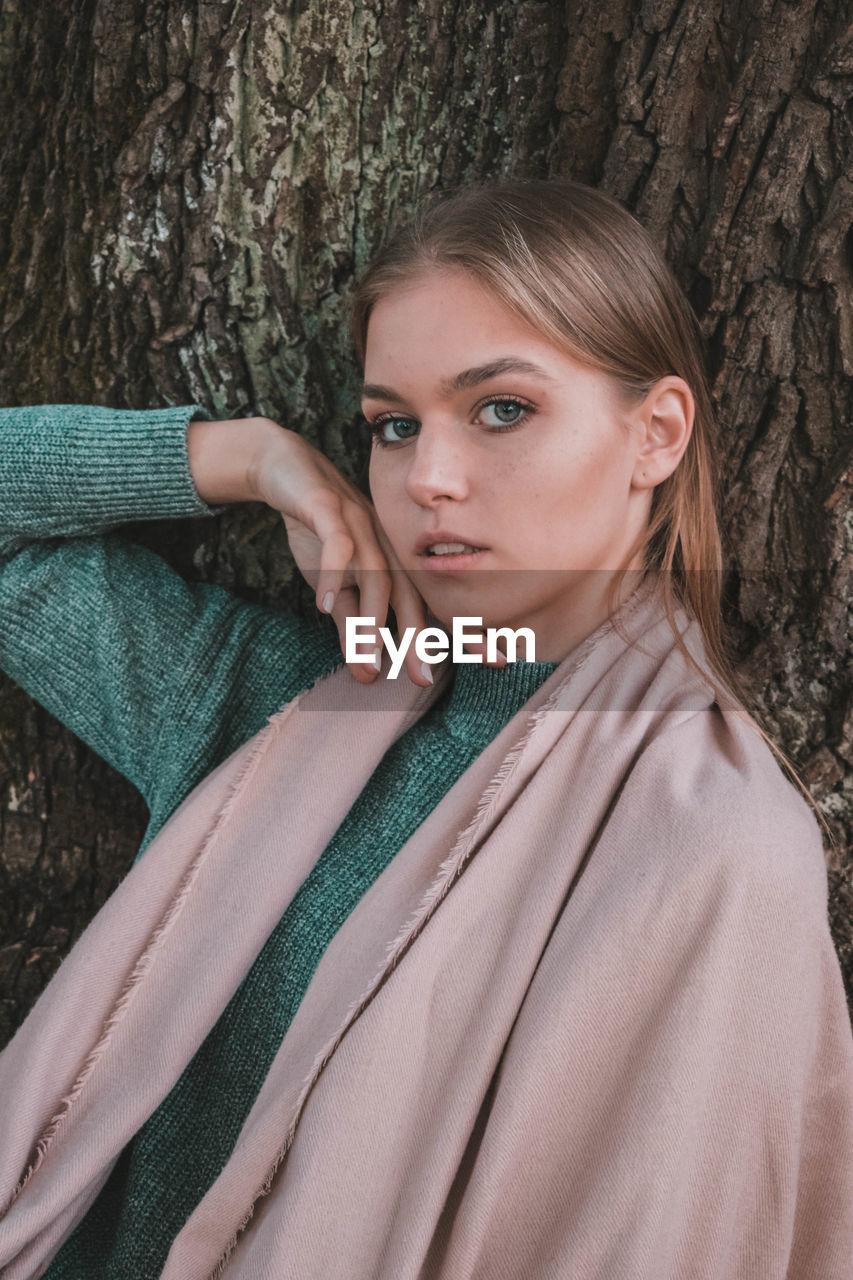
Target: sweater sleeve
161	677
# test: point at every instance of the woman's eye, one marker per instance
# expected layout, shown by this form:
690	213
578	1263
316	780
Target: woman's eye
507	413
401	429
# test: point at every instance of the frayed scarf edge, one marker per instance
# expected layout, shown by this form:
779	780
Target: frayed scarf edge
149	952
449	871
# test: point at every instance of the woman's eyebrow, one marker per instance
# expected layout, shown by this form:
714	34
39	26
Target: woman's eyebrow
466	379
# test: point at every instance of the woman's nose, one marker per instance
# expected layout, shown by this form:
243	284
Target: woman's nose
438	468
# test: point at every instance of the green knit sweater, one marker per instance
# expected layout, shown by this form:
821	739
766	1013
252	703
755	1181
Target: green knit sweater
164	679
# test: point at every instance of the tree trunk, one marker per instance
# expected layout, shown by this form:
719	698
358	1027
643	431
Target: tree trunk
189	190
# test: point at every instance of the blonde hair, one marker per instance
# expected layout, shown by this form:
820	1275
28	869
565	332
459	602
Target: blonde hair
574	264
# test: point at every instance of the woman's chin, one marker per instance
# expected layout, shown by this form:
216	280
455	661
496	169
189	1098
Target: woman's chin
457	598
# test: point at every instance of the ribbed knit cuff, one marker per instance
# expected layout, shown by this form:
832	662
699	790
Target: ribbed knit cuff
75	469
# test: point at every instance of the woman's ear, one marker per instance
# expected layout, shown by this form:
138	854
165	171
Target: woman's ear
664	422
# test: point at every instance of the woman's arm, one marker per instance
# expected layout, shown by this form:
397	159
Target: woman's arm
161	677
71	470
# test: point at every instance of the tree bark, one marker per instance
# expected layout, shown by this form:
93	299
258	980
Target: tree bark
189	191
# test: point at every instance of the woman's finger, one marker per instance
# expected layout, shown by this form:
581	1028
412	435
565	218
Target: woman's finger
337	549
410	611
370	567
347	606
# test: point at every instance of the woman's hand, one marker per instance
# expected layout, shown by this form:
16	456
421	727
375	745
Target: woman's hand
334	534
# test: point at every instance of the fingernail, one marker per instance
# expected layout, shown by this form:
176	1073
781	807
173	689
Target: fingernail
328	601
425	669
377	659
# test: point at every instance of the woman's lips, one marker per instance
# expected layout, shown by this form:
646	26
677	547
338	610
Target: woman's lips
453	561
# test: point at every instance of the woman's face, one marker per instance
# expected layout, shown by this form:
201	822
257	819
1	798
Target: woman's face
486	434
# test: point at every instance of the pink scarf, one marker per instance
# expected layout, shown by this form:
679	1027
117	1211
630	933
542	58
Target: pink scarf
588	1022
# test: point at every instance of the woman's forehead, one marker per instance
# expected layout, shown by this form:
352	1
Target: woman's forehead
453	326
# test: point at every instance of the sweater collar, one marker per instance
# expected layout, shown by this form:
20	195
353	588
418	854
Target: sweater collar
482	699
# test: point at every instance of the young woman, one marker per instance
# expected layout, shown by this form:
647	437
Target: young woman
494	969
